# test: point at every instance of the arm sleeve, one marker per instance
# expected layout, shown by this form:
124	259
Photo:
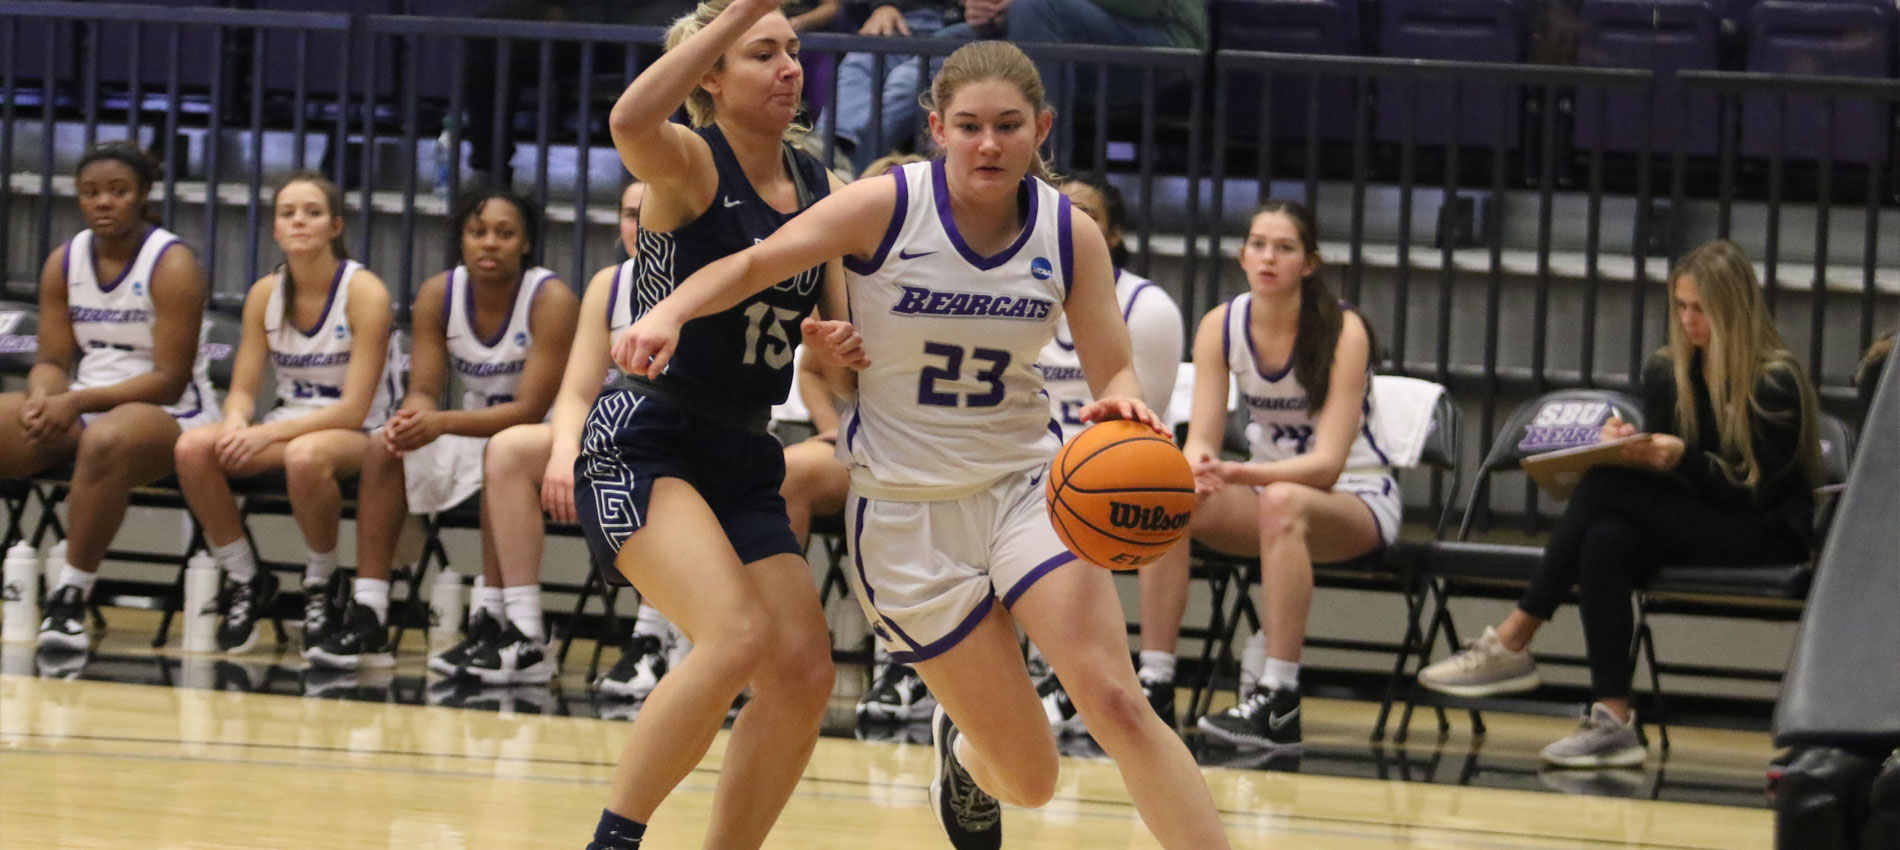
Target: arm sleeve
1156	334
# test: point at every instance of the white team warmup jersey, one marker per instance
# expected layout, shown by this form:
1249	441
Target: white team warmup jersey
312	363
112	323
1061	368
1278	405
490	369
952	400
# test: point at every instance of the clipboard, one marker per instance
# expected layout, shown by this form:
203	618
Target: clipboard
1558	472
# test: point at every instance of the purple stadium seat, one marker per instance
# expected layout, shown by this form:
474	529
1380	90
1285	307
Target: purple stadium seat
1664	36
324	61
34	40
1324	27
1468	30
197	43
1847	38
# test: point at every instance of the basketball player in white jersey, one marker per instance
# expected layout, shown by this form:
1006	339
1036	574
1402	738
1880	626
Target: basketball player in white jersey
1155	335
504	326
119	374
528	477
959	269
1317	487
322	322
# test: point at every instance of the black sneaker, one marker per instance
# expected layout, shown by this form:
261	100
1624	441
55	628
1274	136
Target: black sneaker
64	627
57	662
898	696
1160	694
1269	719
361	641
511	659
642	663
969	815
322	609
244	603
482	629
1056	704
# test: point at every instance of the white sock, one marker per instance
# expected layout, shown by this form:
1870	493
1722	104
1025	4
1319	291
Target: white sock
494	602
237	559
523	607
373	593
1281	675
1157	666
71	576
318	568
650	622
1253	661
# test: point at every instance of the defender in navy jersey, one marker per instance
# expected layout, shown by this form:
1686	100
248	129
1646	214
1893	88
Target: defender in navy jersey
677	481
503	325
323	323
118	375
959	270
1317	487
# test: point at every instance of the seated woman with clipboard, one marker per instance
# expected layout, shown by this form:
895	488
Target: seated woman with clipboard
1726	478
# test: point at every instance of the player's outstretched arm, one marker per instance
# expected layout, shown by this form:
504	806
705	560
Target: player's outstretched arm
849	222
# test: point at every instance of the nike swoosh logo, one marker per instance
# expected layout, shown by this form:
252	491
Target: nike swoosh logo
730	203
1036	480
1282	720
906	255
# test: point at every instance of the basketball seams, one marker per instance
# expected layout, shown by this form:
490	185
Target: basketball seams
1111	535
1066	501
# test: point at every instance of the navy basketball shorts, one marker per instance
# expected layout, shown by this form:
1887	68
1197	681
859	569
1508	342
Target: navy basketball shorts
631	441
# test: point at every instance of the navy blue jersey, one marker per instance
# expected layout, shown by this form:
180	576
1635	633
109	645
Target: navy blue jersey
739	359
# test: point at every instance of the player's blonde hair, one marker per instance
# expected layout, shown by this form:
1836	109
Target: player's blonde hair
1743	346
700	109
981	61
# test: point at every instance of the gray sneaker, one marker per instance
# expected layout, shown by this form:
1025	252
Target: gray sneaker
1600	741
1484	668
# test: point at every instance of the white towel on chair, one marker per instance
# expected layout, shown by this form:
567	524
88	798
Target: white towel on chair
1402	420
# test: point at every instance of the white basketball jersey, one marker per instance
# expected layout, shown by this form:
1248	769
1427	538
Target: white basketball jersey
952	399
1061	368
620	306
112	322
312	364
490	369
1283	421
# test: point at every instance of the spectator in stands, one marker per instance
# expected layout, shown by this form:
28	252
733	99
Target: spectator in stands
322	321
504	326
858	84
119	373
1867	376
1130	23
1725	477
1316	487
1154	331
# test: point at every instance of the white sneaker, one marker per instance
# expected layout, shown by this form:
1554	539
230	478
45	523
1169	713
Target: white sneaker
512	659
1600	741
1484	668
642	663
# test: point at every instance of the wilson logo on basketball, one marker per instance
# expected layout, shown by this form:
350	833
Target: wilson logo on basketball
1124	515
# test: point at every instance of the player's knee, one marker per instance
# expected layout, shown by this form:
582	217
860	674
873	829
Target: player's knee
1283	509
106	448
801	667
305	461
507	454
741	642
1112	713
196	450
1034	787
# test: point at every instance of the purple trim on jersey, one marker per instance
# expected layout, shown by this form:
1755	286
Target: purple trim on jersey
290	307
129	264
1035	575
448	295
1227	333
851	433
1247	322
1065	246
1054	426
1365	425
613	295
507	320
941	189
944	644
1128	309
898	212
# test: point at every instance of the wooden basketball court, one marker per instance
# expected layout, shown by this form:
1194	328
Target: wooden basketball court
107	764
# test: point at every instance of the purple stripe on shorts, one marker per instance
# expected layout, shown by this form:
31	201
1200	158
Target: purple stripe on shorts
1035	575
945	643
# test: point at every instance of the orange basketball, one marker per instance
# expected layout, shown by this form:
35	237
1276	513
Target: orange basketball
1120	494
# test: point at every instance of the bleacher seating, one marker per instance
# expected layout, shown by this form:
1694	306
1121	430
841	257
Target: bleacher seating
1664	36
1839	39
1458	30
1315	27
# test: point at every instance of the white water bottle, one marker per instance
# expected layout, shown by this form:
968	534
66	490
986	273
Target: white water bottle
445	609
19	595
201	603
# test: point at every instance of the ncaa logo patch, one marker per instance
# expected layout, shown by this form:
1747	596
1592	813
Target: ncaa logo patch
341	331
1040	268
521	338
138	287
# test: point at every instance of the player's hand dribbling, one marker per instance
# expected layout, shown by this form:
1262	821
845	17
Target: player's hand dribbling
648	344
1123	407
836	340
